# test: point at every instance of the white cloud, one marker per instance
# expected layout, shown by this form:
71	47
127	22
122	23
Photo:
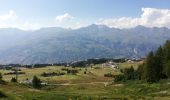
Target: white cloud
64	17
27	25
11	20
77	25
11	15
151	17
24	25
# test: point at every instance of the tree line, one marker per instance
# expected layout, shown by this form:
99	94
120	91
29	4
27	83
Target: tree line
155	67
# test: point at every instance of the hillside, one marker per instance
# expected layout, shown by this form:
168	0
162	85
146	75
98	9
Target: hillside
53	44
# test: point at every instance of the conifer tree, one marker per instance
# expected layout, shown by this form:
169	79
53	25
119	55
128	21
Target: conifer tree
36	82
158	63
149	71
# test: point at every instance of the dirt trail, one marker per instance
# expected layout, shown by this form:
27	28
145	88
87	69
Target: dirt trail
92	83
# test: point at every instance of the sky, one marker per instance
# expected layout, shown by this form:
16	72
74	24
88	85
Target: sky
35	14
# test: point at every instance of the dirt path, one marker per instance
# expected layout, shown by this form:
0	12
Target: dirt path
92	83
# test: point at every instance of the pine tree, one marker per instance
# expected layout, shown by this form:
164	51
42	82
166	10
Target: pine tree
36	82
166	59
149	70
140	71
159	63
130	73
156	66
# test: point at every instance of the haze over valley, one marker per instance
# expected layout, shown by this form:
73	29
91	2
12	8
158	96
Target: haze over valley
55	44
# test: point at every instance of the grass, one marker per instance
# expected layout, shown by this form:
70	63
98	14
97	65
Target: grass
91	75
91	72
128	65
89	86
128	91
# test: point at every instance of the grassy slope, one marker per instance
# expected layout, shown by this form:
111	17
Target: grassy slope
85	87
92	75
139	90
128	65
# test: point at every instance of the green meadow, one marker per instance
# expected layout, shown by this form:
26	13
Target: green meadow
90	86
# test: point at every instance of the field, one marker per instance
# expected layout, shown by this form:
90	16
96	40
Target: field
92	74
90	86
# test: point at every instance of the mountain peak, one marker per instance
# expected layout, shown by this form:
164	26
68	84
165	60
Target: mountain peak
98	26
140	26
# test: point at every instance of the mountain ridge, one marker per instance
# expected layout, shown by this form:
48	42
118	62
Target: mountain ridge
55	44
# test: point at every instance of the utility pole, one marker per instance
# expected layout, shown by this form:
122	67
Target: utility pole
16	72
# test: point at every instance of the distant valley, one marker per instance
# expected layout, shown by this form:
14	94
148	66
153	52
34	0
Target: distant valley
54	44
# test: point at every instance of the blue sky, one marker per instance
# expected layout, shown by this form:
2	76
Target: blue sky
44	13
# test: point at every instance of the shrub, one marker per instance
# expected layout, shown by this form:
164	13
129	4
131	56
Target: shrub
44	74
13	79
130	73
1	76
97	67
2	95
118	78
2	82
72	71
64	69
85	72
13	73
108	75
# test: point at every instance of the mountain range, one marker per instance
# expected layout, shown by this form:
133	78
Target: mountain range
55	44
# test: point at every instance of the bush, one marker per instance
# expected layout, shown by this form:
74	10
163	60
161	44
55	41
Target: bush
119	78
130	73
44	74
13	79
2	82
108	75
13	73
1	76
64	69
2	95
85	72
97	67
72	71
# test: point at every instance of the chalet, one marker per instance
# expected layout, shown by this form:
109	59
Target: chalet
110	64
